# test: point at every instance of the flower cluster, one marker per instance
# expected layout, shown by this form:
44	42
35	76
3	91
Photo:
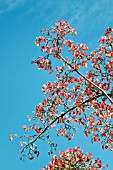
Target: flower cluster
74	158
43	63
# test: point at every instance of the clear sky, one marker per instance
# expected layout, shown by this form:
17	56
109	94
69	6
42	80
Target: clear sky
20	82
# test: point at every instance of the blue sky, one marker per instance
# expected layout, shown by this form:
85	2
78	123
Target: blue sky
20	82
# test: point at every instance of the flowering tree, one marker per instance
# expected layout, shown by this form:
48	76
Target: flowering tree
82	93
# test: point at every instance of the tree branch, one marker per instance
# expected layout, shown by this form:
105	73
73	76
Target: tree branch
52	122
87	79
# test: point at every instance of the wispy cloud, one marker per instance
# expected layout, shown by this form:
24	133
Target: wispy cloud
9	5
74	11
